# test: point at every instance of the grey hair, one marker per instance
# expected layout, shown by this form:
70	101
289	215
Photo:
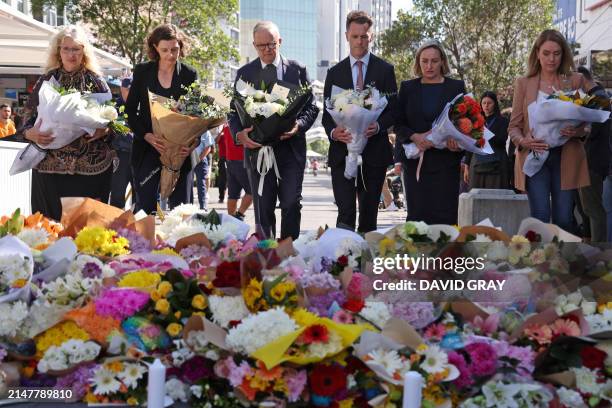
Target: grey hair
267	26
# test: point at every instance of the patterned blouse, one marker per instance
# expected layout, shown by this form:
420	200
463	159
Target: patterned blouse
79	157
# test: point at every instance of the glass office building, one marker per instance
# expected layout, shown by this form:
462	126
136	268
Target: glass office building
297	21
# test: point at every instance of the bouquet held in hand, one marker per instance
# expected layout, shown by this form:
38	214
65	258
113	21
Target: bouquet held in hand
355	110
549	114
67	115
181	124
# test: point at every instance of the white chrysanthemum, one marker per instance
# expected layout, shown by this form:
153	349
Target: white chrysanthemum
376	312
14	267
11	317
255	331
435	360
132	372
227	308
42	316
104	382
177	390
389	359
33	237
586	380
185	210
185	229
570	398
168	225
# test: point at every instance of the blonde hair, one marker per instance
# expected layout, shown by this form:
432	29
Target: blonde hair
567	62
416	67
77	34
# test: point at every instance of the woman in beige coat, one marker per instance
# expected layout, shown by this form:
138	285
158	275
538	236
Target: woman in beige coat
550	190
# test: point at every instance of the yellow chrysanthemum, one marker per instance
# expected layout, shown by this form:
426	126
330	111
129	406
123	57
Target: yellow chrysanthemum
166	251
101	241
305	318
57	335
140	279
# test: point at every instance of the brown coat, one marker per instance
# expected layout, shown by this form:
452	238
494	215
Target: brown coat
574	170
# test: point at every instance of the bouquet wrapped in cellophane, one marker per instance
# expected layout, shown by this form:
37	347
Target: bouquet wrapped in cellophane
67	114
270	114
181	123
549	114
355	110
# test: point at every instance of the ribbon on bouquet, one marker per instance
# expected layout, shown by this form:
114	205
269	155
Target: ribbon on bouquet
265	162
360	167
418	171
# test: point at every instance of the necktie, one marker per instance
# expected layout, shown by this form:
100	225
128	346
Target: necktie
268	75
359	84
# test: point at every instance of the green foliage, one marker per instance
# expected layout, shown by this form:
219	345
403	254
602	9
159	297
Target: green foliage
320	146
121	27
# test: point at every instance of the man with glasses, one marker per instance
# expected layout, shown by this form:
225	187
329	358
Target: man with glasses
290	152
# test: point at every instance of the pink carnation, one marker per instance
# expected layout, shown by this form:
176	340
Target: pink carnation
121	303
483	359
359	287
295	381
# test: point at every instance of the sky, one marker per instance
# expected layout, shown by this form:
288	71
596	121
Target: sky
399	4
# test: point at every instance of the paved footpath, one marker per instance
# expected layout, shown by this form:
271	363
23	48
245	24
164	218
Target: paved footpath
318	208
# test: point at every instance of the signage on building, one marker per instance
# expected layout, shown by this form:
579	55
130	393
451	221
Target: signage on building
564	19
13	83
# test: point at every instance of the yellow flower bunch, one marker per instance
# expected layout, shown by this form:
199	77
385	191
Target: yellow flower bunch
281	290
166	251
101	241
57	335
140	279
252	295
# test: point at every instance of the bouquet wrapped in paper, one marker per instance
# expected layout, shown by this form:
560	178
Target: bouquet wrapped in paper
355	110
270	114
548	115
68	115
181	124
462	121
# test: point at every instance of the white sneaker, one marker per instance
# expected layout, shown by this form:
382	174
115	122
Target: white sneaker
392	207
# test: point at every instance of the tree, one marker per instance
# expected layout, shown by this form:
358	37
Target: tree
121	27
487	42
399	43
320	146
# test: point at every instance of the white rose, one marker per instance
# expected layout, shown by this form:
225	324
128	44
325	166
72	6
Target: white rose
109	113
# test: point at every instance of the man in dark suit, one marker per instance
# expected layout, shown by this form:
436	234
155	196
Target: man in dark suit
290	152
360	69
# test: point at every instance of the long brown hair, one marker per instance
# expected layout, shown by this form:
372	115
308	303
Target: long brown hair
567	62
166	32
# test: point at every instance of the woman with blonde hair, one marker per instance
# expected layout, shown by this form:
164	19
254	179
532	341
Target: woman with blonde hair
82	168
550	190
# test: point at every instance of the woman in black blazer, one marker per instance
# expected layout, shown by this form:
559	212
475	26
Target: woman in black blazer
491	170
434	198
166	76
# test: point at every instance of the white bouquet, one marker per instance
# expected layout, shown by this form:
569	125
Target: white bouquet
260	103
67	115
462	121
16	268
355	110
69	354
549	114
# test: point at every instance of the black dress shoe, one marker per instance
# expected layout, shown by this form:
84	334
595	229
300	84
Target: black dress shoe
239	215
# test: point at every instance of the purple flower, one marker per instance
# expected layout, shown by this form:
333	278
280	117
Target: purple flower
91	270
138	243
77	381
418	314
320	304
121	303
524	355
322	280
295	381
326	264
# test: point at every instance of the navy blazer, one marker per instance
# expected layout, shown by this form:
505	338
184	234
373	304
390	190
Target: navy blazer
381	75
410	120
294	73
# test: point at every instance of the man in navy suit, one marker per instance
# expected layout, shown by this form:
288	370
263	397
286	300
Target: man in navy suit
290	152
360	69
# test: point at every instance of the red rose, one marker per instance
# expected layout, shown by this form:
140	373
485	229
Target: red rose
327	380
592	357
474	109
343	261
228	275
479	121
465	126
461	108
353	305
532	236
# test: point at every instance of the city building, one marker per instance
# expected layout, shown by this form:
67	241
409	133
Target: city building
226	73
297	22
380	10
586	24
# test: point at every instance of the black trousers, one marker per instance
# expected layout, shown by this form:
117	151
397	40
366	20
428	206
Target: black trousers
147	174
288	191
368	195
122	176
222	179
49	188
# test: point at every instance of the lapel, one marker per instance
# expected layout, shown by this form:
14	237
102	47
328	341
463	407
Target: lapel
289	73
345	71
370	74
449	93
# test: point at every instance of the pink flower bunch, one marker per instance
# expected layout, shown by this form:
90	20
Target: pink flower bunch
483	359
295	381
121	303
135	264
435	332
524	355
465	374
359	287
227	368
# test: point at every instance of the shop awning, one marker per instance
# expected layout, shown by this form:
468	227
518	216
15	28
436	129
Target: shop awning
24	42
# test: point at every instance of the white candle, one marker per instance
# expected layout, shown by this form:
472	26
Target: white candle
156	389
413	385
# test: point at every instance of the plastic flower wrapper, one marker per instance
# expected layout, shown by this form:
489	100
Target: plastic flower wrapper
355	110
270	113
315	339
65	116
178	130
547	116
462	121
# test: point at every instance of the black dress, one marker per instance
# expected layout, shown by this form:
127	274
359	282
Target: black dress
146	164
492	171
434	198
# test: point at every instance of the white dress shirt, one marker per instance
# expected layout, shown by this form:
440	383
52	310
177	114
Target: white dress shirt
278	64
355	69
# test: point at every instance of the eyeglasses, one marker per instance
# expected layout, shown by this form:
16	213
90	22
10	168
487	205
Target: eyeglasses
71	50
262	47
